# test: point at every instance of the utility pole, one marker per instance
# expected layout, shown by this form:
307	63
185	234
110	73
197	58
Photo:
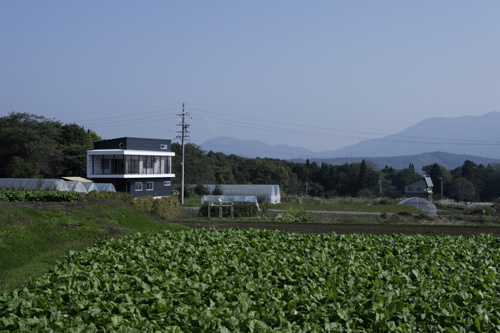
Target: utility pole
184	135
380	184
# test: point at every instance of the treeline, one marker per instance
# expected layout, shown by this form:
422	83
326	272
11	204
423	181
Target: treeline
469	182
33	146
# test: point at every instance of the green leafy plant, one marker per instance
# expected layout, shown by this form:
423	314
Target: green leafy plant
166	207
40	196
123	196
232	280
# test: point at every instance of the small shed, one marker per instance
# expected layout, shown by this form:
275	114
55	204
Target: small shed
78	179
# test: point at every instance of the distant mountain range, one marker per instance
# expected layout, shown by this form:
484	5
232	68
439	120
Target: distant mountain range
448	160
447	141
469	135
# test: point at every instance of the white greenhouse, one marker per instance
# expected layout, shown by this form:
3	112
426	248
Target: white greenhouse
264	193
420	203
229	198
105	187
28	184
76	187
89	186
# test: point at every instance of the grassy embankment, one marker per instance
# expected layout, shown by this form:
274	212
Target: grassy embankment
32	239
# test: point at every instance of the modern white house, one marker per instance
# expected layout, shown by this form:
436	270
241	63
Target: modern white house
422	188
138	166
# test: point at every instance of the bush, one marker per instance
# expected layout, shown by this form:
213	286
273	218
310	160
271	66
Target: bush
40	196
241	209
201	190
165	208
123	196
384	201
217	190
144	203
288	217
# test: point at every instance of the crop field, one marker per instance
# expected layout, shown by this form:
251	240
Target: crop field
233	280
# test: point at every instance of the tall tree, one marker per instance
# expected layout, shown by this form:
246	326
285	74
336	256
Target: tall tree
32	138
462	189
363	176
198	168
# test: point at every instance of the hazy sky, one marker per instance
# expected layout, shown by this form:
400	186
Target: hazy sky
314	74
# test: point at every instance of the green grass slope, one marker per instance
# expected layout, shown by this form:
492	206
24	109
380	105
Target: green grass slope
34	236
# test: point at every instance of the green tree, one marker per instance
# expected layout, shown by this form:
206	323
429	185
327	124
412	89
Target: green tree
19	168
32	138
198	168
462	189
363	176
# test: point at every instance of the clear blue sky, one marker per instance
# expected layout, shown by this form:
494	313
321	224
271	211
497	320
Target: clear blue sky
314	74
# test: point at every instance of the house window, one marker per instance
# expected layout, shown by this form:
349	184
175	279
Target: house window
419	189
410	188
167	183
149	186
138	186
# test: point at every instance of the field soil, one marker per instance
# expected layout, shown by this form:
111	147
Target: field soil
375	229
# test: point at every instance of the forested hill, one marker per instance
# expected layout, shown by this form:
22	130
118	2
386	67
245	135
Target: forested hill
447	160
469	181
32	146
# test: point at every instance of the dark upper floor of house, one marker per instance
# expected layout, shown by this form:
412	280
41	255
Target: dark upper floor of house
134	144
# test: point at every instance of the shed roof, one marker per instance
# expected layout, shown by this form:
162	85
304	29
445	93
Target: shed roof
77	179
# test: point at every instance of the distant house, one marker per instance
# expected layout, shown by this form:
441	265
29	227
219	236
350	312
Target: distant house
138	166
421	189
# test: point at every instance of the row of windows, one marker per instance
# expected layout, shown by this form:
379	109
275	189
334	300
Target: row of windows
411	189
149	185
129	164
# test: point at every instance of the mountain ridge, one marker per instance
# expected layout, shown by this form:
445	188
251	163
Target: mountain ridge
466	135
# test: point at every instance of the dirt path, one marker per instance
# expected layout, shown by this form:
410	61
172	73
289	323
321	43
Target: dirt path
376	229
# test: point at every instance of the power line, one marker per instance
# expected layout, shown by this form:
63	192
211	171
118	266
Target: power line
127	115
337	117
121	109
130	121
325	135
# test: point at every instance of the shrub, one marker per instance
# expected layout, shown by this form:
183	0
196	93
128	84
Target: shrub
123	196
40	196
217	190
165	208
288	217
384	201
144	203
201	190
